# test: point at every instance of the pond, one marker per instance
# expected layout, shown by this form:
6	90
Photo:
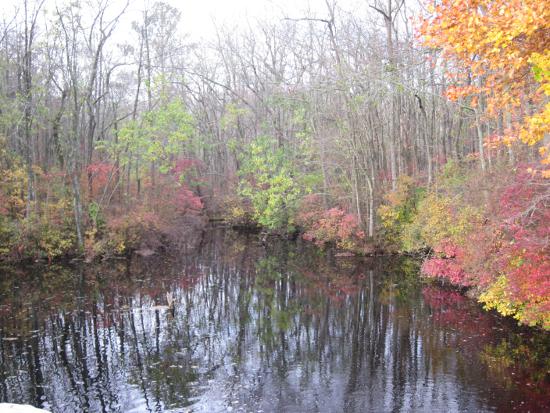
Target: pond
230	324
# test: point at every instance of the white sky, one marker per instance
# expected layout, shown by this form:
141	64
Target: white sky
200	16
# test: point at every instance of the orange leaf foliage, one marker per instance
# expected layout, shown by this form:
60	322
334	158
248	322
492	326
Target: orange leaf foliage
498	50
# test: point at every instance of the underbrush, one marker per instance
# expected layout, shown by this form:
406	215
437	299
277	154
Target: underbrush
330	227
492	238
156	218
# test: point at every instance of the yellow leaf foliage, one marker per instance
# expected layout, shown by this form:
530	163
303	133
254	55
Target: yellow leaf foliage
497	297
504	47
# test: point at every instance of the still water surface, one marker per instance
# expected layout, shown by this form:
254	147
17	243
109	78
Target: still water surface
231	325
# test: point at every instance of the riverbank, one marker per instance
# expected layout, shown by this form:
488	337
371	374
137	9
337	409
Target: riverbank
491	239
486	233
230	322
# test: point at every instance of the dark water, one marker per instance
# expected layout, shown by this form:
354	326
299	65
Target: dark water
282	328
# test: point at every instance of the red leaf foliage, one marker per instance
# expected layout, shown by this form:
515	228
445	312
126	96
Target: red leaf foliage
334	225
525	223
514	242
185	174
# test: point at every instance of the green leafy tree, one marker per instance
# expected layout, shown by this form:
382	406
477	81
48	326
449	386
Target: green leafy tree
159	137
270	181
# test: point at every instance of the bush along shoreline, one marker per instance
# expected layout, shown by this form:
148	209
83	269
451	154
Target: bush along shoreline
486	232
147	218
491	240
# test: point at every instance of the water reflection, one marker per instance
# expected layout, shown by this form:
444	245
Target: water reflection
232	326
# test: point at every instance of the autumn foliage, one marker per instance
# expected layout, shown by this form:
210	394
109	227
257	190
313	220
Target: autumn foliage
494	241
184	176
329	226
498	62
152	218
47	230
523	287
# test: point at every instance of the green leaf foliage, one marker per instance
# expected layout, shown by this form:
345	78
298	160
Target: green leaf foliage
271	183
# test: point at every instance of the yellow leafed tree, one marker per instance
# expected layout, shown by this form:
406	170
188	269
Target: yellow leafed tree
499	52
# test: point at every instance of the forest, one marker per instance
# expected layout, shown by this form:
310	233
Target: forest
403	127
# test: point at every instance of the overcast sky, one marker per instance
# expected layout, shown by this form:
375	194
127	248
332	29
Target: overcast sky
200	16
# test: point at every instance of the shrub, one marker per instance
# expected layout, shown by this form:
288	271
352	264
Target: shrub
523	264
124	234
502	251
269	181
399	210
334	226
235	211
440	218
7	235
55	241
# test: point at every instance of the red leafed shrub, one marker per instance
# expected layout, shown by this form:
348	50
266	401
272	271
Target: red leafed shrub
185	173
525	223
448	249
448	263
506	255
448	268
463	265
187	201
333	226
125	233
100	172
311	207
186	165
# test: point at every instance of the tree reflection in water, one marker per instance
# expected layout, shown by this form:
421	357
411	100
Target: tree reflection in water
286	328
